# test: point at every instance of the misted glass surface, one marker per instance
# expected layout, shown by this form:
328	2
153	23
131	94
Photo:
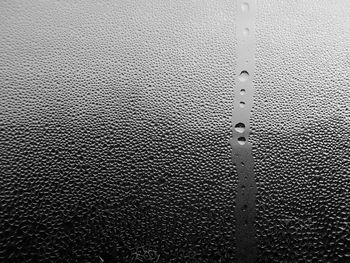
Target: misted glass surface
115	129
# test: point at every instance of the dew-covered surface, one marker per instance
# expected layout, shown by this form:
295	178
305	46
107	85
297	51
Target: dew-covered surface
115	128
301	131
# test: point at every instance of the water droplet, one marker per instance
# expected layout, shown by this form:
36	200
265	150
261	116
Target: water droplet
240	127
246	32
242	104
243	76
241	140
245	7
242	92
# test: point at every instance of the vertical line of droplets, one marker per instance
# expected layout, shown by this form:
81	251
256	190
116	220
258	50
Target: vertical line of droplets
241	147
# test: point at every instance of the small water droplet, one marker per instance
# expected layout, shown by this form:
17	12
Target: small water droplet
245	7
240	127
246	32
242	104
242	92
243	76
241	140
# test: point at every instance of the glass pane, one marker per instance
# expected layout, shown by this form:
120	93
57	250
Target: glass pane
174	131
